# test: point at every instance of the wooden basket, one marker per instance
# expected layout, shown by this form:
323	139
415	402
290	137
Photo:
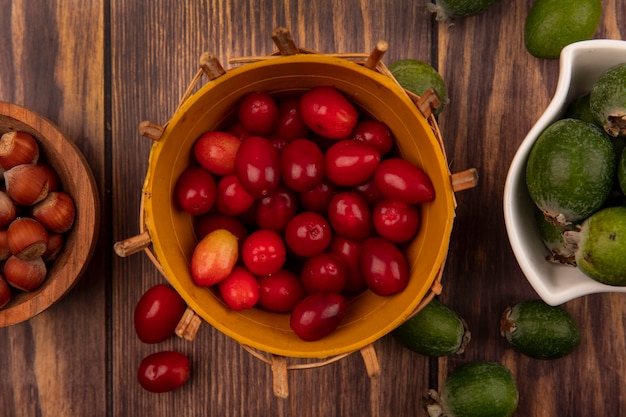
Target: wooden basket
211	68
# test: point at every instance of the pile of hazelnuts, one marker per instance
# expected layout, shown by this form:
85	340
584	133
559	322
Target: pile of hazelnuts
35	214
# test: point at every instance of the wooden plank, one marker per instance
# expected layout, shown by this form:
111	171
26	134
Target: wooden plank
80	357
52	63
155	52
497	92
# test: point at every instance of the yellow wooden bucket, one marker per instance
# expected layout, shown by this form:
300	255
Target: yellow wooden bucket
168	234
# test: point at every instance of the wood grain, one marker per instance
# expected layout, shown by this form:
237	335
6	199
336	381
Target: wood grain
52	56
223	370
498	91
99	68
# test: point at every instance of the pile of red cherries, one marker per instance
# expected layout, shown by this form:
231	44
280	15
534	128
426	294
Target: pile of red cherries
316	199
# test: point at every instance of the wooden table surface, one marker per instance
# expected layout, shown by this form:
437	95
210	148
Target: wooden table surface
97	68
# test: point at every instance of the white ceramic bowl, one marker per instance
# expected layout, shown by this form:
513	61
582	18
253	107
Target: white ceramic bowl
581	64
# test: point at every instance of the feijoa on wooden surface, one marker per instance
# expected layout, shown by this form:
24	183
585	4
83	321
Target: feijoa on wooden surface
476	389
435	330
418	76
539	330
553	24
446	10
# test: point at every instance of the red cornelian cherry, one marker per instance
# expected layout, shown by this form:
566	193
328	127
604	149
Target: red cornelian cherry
308	234
280	292
258	113
264	252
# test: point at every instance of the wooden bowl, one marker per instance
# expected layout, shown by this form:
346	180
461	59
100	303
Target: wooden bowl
78	181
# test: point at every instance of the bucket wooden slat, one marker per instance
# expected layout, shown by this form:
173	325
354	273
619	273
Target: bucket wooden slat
284	41
151	130
374	58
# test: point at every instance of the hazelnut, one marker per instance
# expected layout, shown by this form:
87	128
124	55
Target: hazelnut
55	244
26	275
8	211
56	212
26	184
18	148
5	252
27	238
54	182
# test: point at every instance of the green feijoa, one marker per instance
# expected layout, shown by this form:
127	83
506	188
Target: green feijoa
418	76
579	109
618	195
570	170
553	24
446	10
476	389
619	143
552	236
607	100
539	330
435	330
621	171
600	244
